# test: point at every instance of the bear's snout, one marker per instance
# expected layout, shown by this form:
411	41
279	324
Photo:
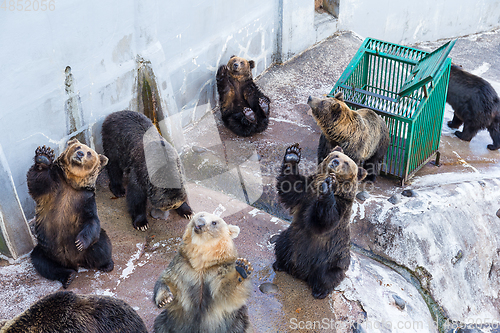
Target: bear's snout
79	154
199	224
334	163
309	100
236	65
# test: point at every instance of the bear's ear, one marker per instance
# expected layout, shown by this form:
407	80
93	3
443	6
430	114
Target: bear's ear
234	230
104	160
361	174
232	56
338	148
252	64
72	141
340	96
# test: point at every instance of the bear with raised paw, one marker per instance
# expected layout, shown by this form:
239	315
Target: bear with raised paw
66	311
206	285
67	226
475	104
244	108
315	247
135	148
362	134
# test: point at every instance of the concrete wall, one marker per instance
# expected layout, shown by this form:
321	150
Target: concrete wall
409	21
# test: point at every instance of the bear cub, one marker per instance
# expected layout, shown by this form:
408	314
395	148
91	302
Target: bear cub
315	247
475	104
65	311
244	108
67	226
362	134
135	147
206	285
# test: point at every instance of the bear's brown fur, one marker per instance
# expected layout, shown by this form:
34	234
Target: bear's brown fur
244	108
67	226
362	134
65	311
205	287
315	248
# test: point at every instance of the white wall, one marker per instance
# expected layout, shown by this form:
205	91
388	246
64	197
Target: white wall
410	21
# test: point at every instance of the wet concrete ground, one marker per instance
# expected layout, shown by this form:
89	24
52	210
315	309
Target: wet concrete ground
140	257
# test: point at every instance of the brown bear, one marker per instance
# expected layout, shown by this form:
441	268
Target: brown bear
315	247
65	311
67	226
476	105
206	285
135	147
362	134
244	108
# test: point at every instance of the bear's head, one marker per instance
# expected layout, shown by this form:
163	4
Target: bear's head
328	111
81	164
343	171
240	68
208	241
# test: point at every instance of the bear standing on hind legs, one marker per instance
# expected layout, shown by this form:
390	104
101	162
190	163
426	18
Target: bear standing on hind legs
315	247
476	105
244	108
205	286
67	227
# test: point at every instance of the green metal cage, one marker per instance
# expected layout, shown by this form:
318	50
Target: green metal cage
407	87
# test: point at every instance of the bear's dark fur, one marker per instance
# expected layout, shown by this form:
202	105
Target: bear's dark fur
66	224
476	105
362	134
205	287
134	146
244	108
67	312
315	247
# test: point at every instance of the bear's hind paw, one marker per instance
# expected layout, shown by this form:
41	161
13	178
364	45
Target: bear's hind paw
243	267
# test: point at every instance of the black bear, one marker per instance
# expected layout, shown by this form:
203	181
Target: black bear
134	146
67	226
362	134
476	105
315	247
67	312
206	285
244	108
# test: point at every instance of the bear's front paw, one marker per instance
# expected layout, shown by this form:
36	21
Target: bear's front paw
326	187
44	156
167	297
292	154
244	268
81	244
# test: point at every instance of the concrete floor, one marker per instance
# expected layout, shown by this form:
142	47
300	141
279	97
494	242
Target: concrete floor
140	257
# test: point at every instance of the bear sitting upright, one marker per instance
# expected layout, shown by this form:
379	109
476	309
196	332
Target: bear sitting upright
315	247
66	224
362	134
205	287
476	105
134	146
244	108
67	312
